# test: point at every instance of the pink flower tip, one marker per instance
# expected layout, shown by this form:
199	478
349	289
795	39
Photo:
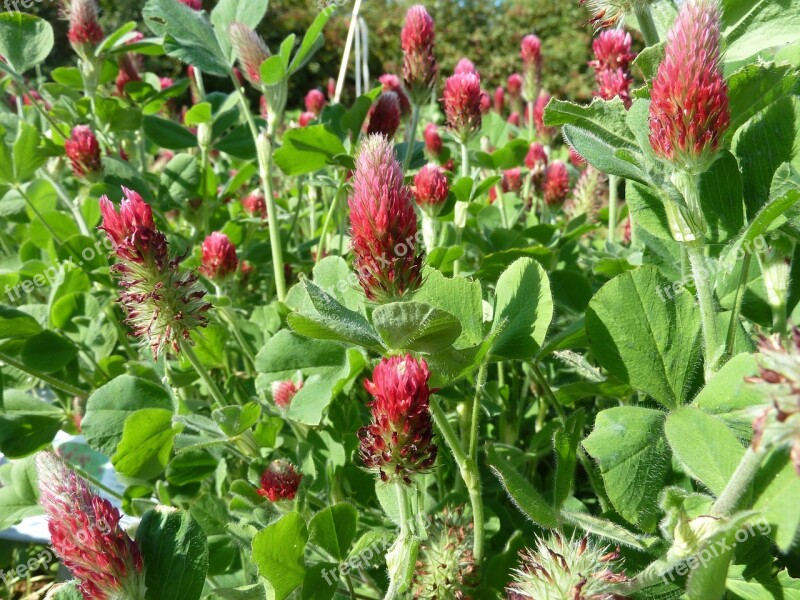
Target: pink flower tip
219	257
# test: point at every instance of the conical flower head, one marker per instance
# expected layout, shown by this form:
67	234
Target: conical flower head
383	224
612	50
219	256
431	188
86	534
391	83
315	101
399	441
538	117
689	103
514	85
445	567
531	54
417	39
193	4
465	66
556	183
384	119
163	304
84	33
83	152
249	49
590	194
433	141
284	391
462	104
499	99
560	569
280	481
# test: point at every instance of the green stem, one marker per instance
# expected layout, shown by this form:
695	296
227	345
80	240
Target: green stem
469	473
228	316
187	350
95	482
62	195
529	116
347	47
412	135
51	381
612	208
646	23
737	306
738	483
459	227
476	413
705	298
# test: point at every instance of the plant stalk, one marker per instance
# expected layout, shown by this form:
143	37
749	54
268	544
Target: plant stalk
51	381
739	483
705	299
347	47
187	350
613	191
646	23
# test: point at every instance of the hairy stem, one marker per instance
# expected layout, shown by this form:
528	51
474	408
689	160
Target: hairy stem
187	350
412	134
612	208
51	381
739	483
646	23
705	298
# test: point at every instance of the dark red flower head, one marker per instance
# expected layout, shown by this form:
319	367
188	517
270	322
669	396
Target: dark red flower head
431	187
538	117
399	441
280	481
127	73
254	204
219	256
612	50
384	118
383	224
536	159
514	85
163	305
512	180
86	534
531	53
689	103
486	103
83	152
514	119
462	104
499	99
433	141
315	101
417	40
305	118
391	83
556	183
193	4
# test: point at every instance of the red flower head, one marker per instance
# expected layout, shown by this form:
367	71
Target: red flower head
280	481
556	183
576	159
499	99
431	187
254	204
85	33
611	84
538	117
391	83
689	103
417	40
163	305
536	159
466	66
462	104
399	441
385	116
486	103
514	119
305	118
219	256
514	85
531	53
512	180
284	391
250	49
612	50
383	225
315	101
193	4
165	83
433	141
83	152
331	88
127	73
87	536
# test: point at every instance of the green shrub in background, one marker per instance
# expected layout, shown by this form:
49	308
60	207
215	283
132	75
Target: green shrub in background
490	33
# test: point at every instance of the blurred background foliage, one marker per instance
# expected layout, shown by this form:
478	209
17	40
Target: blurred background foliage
485	31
